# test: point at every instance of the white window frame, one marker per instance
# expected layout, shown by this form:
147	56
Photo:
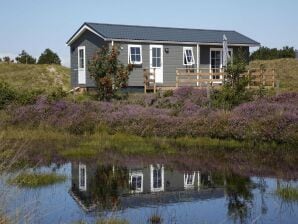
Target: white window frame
192	184
136	174
129	54
84	57
192	62
83	187
152	188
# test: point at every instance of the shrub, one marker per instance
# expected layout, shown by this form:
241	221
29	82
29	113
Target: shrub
7	94
25	58
234	90
265	53
56	94
108	72
49	57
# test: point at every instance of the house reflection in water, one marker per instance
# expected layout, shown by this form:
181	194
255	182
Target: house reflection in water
106	187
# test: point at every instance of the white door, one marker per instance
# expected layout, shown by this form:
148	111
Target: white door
81	65
156	62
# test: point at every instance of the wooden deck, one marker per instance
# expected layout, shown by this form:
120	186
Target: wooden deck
204	78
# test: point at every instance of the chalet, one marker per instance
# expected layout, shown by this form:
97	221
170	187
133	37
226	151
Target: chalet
101	187
161	50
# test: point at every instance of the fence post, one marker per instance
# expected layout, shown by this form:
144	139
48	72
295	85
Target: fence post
177	78
154	85
273	78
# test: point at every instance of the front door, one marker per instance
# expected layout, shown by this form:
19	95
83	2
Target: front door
81	65
156	62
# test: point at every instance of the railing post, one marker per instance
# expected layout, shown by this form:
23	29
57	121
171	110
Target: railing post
273	78
154	81
177	78
248	76
145	80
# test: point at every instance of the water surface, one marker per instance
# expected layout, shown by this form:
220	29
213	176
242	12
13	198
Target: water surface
135	192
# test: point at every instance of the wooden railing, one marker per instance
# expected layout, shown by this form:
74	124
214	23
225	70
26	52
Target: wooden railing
190	77
262	77
205	78
149	80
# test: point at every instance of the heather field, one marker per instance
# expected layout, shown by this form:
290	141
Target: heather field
185	112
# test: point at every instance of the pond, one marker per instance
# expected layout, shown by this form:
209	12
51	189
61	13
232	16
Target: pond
137	192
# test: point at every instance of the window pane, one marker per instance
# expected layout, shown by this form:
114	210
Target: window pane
137	50
158	62
133	58
153	52
158	52
81	58
133	50
138	57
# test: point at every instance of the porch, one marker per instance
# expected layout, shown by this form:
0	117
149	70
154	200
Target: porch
205	78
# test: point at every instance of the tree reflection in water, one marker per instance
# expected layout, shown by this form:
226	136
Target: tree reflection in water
239	196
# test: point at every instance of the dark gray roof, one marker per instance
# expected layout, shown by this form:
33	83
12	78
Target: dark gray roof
150	33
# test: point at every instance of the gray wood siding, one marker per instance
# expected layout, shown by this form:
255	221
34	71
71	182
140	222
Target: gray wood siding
92	44
136	77
171	60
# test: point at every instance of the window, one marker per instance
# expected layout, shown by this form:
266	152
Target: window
82	177
188	58
189	180
156	57
136	181
135	54
157	176
81	57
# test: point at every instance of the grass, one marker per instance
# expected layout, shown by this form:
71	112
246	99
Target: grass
112	221
286	71
288	193
70	146
33	180
35	77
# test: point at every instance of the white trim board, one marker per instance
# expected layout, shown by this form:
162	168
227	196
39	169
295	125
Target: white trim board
81	31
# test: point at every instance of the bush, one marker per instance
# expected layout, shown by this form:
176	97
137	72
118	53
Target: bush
25	58
108	72
234	91
7	95
49	57
56	94
265	53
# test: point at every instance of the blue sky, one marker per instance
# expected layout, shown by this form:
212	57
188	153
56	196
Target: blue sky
34	25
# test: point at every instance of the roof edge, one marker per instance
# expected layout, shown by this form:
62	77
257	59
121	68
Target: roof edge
78	33
88	26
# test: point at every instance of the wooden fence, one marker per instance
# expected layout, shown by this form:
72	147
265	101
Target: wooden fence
204	78
149	80
190	77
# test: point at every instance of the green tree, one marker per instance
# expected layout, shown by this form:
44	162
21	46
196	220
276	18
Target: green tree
265	53
49	57
109	73
25	58
6	59
234	90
